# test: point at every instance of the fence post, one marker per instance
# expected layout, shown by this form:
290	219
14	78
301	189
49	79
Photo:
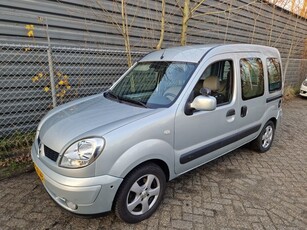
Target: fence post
51	72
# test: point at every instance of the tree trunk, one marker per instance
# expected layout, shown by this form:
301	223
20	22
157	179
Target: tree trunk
126	33
158	47
185	19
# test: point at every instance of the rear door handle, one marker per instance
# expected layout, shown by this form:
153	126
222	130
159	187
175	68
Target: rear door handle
230	113
243	111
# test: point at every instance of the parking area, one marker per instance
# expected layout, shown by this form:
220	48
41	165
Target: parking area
242	190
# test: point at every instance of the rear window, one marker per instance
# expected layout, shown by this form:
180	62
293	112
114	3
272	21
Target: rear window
252	84
274	74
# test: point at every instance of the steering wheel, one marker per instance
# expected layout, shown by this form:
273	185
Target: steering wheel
170	96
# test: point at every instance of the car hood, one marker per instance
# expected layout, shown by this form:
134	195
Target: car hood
94	117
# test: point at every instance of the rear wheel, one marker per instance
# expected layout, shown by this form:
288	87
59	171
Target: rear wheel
265	138
140	193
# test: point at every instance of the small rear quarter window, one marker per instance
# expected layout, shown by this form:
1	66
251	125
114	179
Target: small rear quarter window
274	74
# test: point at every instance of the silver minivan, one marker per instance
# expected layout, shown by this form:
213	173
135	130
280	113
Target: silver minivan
172	111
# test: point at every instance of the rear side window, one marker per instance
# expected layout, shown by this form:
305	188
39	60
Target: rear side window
274	74
252	84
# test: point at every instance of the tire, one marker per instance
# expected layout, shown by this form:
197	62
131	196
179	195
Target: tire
140	194
264	141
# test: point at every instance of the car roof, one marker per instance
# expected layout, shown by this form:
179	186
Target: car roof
195	53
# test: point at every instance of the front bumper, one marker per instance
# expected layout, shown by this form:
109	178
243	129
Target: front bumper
79	195
303	91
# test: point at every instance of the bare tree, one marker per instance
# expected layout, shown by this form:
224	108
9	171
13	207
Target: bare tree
159	45
303	11
189	12
125	32
298	7
292	45
123	26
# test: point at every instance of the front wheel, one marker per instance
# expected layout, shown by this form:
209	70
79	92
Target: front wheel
265	138
140	193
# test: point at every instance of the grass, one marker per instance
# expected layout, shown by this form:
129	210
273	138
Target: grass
15	168
290	92
16	141
15	155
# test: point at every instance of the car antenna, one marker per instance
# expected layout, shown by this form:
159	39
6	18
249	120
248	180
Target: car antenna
162	56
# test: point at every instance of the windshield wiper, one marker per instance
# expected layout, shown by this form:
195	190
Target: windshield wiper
109	93
127	99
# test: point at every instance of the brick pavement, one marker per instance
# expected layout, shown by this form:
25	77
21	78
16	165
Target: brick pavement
243	190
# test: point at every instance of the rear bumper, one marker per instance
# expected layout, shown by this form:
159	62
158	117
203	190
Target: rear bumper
278	119
79	195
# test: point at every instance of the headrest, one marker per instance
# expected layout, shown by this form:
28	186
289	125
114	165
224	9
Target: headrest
212	83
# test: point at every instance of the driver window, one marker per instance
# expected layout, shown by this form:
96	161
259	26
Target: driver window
217	79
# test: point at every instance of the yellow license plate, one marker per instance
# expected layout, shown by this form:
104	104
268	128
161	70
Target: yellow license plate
39	173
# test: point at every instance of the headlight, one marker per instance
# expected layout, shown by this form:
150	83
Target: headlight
305	83
82	153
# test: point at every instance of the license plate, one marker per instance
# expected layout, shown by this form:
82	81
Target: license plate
39	173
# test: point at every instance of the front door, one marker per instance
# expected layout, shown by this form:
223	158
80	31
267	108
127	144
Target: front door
205	135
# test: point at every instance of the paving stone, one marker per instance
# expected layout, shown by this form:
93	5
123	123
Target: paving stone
17	223
181	224
241	190
176	212
254	211
257	226
165	218
267	223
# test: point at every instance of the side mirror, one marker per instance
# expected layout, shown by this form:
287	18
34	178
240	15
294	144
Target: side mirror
204	103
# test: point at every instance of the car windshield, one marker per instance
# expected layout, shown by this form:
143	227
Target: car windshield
152	84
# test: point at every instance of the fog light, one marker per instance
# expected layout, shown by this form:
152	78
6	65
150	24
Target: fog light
66	203
71	205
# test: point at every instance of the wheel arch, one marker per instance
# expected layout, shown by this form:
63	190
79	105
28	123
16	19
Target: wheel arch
274	120
156	151
257	143
160	163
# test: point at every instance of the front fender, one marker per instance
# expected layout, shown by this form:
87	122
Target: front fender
144	151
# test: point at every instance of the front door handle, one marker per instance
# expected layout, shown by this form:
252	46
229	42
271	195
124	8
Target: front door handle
243	111
230	113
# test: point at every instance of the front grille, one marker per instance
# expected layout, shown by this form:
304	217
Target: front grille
51	154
